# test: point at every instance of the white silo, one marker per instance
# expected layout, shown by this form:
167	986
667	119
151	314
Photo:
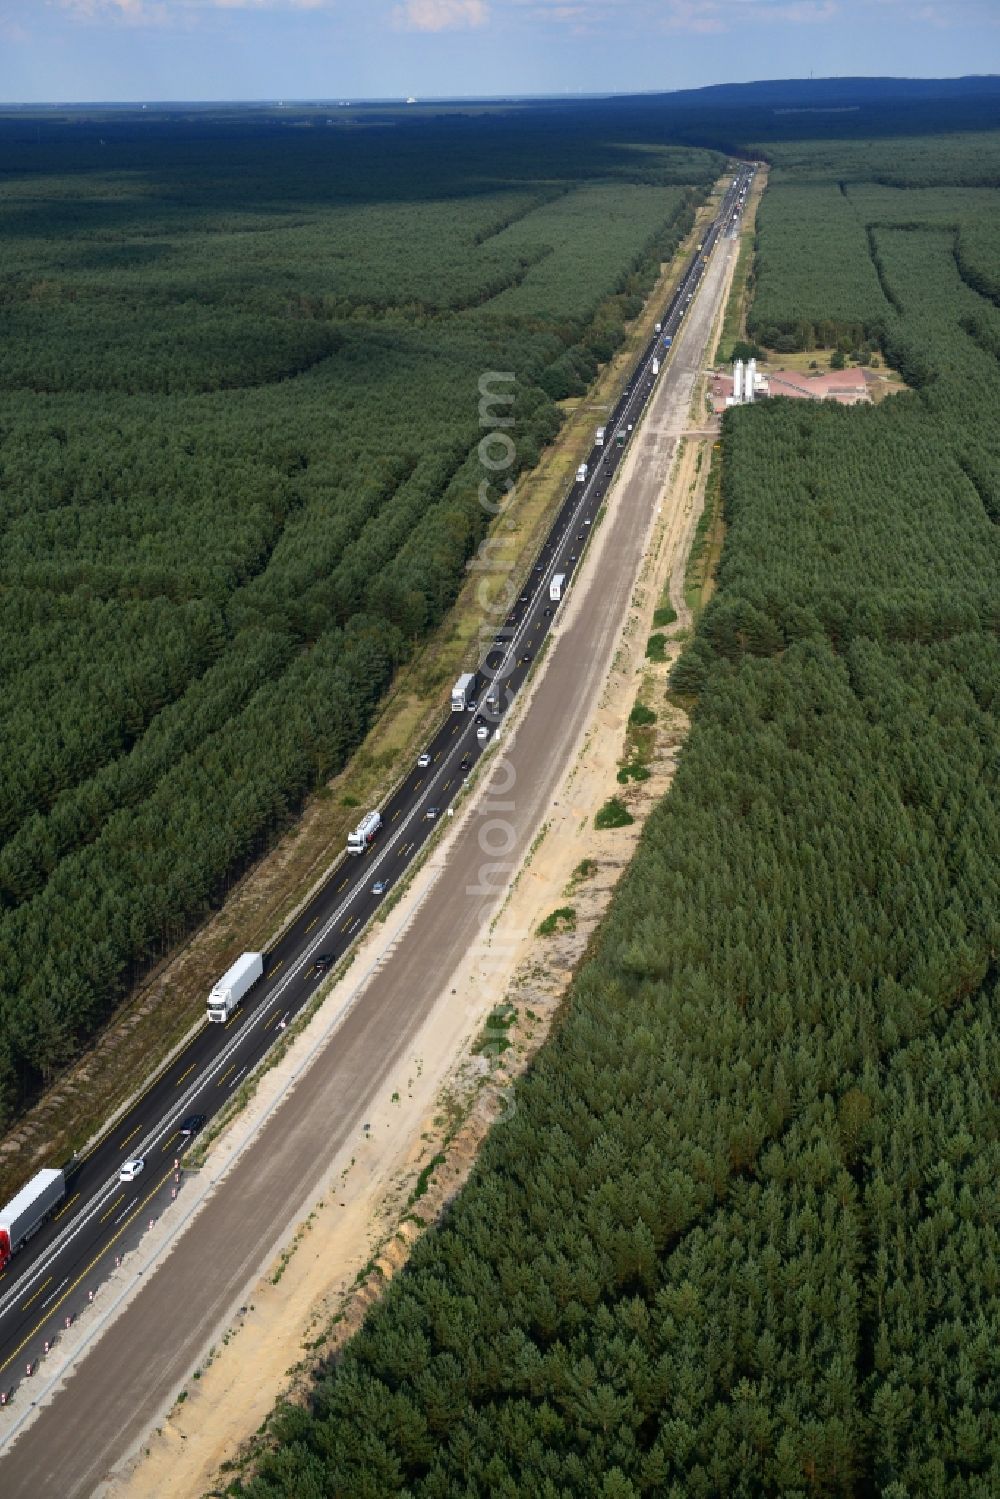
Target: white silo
738	382
751	380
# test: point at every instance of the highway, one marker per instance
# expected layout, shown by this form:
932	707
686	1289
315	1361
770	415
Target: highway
54	1275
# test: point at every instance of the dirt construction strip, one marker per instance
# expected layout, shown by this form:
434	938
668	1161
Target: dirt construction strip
429	994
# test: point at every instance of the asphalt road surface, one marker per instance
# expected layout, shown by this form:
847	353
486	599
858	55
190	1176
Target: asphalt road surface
143	1358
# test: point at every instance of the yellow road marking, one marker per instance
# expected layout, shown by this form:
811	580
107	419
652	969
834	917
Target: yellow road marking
179	1081
41	1288
66	1205
228	1070
116	1204
129	1137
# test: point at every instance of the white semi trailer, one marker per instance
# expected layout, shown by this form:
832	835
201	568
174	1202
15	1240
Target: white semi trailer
234	985
26	1212
463	692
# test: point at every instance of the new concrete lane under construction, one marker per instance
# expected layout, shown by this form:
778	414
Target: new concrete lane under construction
134	1371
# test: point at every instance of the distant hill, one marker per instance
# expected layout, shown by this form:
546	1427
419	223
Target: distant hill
833	93
728	116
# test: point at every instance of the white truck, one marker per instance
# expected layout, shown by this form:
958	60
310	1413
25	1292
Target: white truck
364	834
581	474
463	692
234	985
656	366
599	437
556	587
28	1211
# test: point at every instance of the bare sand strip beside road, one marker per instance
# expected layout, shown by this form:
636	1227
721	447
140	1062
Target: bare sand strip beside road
420	1008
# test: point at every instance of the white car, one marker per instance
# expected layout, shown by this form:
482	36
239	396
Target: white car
423	761
482	733
131	1169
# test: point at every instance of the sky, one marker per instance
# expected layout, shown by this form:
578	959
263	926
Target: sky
146	50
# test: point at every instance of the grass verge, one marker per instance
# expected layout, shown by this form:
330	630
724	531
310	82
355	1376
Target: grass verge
706	548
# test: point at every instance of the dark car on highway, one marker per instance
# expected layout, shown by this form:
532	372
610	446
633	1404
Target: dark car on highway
192	1124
